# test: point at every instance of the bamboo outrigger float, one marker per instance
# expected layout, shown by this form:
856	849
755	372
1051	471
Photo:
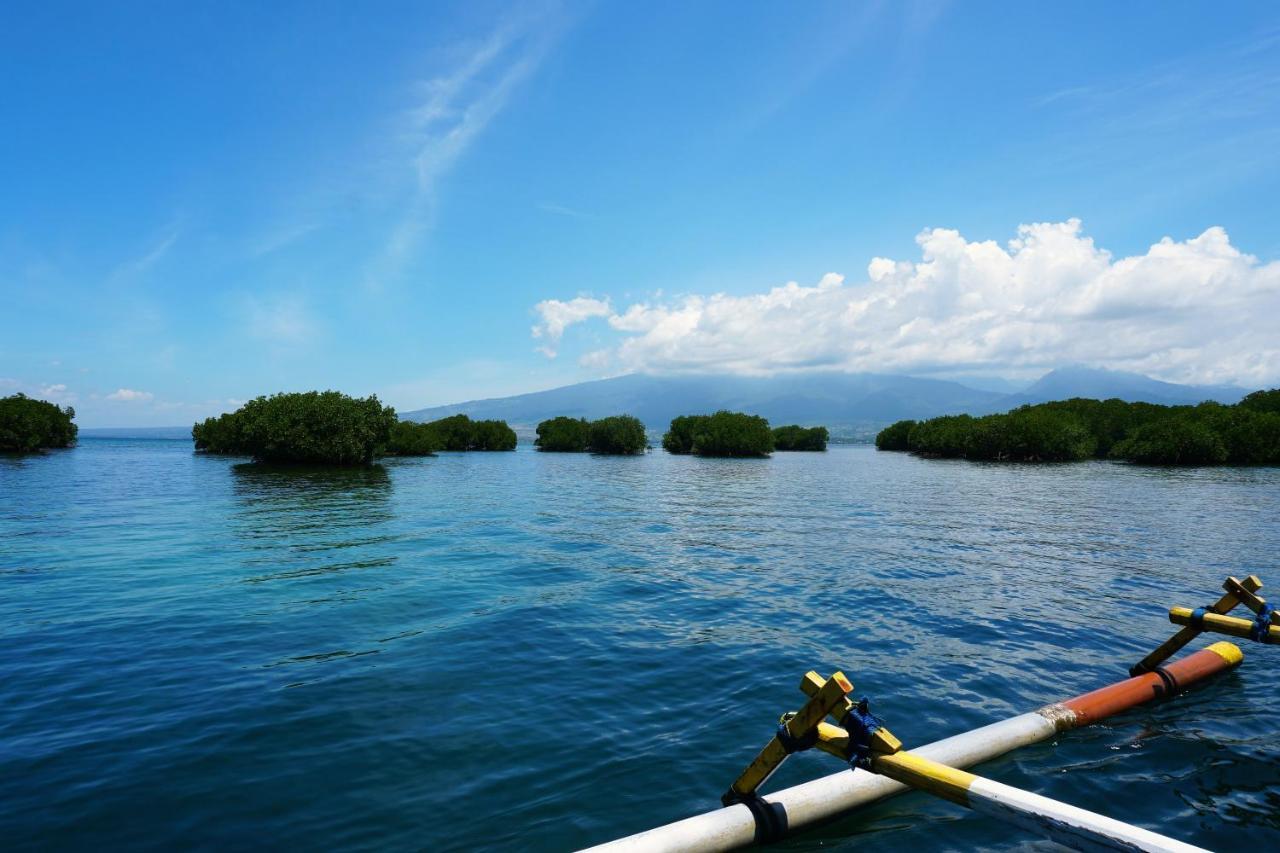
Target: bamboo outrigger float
882	768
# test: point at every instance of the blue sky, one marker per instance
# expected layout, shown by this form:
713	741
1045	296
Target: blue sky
206	202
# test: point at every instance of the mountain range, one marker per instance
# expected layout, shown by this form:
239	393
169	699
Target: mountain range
850	404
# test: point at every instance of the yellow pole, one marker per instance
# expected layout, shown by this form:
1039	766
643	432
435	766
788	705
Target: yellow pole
1230	625
829	697
1074	827
1174	644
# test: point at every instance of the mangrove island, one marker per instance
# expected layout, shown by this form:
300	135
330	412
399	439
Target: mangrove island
722	434
328	427
617	435
1247	433
28	425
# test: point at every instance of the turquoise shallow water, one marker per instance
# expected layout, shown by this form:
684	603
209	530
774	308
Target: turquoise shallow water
531	651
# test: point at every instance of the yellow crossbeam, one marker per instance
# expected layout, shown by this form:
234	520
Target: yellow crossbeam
836	740
1250	600
830	696
1230	625
1174	644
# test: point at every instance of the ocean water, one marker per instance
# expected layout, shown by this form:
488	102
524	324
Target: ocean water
534	651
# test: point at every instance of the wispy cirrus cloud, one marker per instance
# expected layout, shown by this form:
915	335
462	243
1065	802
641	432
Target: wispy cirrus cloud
158	247
282	318
562	210
451	110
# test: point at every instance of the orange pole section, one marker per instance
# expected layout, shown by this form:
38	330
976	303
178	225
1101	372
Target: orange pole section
1164	681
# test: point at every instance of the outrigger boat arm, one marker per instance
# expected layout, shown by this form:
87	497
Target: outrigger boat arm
882	767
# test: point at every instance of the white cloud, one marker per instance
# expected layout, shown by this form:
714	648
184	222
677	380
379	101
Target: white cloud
556	316
128	395
56	393
1196	310
452	110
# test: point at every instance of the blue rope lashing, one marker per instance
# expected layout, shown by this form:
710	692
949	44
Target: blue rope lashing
861	725
795	744
1262	624
1197	617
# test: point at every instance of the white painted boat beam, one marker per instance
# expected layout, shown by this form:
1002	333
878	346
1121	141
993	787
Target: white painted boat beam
783	812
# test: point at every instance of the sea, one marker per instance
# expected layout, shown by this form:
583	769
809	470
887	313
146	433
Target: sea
528	651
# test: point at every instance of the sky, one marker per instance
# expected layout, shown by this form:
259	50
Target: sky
205	202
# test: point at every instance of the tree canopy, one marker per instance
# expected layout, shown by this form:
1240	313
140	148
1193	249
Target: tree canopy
617	435
27	424
563	435
722	434
413	439
312	427
459	432
1247	433
894	437
796	437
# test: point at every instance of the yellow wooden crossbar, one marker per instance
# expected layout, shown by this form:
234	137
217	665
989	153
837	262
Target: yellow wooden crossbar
834	739
1174	644
1217	623
830	696
1250	600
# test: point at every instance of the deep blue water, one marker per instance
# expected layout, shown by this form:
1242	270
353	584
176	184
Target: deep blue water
535	651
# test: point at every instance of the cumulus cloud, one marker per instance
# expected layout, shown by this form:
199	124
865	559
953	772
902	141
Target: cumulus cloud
1194	310
128	395
556	316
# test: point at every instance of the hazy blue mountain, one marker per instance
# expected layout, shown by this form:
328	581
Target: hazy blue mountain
847	402
1077	381
851	404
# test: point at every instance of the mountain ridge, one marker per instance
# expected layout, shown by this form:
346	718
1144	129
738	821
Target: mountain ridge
851	404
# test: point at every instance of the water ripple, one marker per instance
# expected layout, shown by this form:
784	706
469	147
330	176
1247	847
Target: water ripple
525	651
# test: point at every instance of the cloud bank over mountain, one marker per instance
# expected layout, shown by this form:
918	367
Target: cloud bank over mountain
1198	310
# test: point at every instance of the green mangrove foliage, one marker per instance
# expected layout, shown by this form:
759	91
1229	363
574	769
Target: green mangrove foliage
1247	433
459	432
1262	401
722	434
563	435
27	424
413	439
619	435
324	427
796	437
894	437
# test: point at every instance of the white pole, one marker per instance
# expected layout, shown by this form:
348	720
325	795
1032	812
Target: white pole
822	799
790	809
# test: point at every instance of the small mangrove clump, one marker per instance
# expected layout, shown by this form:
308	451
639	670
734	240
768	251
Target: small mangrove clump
409	438
796	437
722	434
616	435
563	435
27	425
323	427
459	432
1247	433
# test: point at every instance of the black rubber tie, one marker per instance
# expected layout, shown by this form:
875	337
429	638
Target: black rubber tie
771	819
1170	683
